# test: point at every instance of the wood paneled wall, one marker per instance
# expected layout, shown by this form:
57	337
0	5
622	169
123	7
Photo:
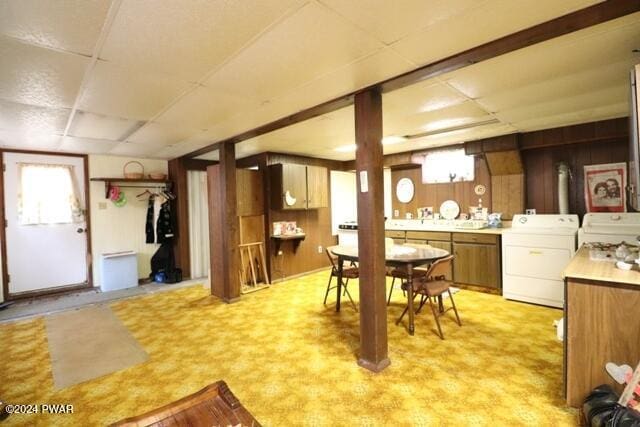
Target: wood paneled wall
316	223
542	177
435	194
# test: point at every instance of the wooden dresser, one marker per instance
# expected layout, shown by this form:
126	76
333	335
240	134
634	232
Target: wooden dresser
602	323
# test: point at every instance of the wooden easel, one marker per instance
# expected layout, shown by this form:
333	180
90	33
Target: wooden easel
253	265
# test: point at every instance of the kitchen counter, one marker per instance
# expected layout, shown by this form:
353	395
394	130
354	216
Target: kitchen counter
601	321
582	267
416	225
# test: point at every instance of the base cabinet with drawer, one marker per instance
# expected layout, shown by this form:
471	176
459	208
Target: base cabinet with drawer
477	259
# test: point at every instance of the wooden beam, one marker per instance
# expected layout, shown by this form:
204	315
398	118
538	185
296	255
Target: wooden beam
180	206
224	225
575	21
371	249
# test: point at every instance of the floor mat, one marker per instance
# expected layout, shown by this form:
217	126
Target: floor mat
89	343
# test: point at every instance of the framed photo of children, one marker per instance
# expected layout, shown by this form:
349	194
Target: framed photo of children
604	187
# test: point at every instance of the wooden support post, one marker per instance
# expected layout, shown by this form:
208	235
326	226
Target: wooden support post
224	225
180	206
369	162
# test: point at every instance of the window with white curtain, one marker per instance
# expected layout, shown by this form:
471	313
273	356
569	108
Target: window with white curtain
447	166
47	194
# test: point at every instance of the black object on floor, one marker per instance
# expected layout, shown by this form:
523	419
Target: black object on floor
6	304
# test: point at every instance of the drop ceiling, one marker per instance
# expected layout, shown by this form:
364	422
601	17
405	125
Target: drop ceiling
160	79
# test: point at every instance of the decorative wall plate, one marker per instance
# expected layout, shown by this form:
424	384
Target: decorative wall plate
289	199
405	190
449	210
480	189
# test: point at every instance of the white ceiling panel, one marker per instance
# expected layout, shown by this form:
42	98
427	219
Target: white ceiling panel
399	123
204	107
32	119
187	39
160	134
309	43
492	20
71	25
429	95
121	92
87	145
29	140
135	150
391	21
569	117
569	85
586	101
39	76
591	48
100	126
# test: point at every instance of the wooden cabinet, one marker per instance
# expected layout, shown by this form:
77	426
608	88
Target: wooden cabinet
399	237
250	199
307	186
477	264
317	187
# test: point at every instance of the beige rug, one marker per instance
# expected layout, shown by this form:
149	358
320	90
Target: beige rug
89	343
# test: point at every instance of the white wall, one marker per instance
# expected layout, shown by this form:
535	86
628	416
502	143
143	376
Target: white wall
344	203
116	229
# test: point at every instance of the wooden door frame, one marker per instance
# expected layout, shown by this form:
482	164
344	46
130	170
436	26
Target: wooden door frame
3	232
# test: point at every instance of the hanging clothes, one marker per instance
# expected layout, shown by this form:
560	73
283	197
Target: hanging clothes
164	226
149	228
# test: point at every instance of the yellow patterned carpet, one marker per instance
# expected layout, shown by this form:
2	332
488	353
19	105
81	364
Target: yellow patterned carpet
292	361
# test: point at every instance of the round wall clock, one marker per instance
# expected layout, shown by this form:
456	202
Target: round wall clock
405	190
480	189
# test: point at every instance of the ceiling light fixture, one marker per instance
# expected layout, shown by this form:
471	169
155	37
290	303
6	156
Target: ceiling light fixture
452	129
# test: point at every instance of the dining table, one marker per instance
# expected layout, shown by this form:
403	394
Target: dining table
405	257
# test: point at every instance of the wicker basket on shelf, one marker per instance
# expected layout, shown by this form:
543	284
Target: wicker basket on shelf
157	175
133	175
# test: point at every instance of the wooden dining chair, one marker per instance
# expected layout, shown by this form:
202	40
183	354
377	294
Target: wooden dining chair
350	272
397	273
433	285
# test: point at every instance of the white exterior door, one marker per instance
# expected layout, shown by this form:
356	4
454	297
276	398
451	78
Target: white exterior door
41	255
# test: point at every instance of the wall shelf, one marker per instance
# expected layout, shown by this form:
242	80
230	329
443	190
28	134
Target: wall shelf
296	238
151	183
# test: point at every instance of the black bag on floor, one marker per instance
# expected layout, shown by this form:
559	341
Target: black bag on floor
601	409
163	261
599	406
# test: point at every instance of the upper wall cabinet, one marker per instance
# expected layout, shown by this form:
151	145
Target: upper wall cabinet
299	187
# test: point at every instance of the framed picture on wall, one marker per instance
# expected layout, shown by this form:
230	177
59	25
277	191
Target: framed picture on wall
604	187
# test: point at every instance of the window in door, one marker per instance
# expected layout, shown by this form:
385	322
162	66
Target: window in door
47	194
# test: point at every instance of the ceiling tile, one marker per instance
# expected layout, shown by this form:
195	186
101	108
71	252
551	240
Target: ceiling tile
135	150
39	76
429	95
121	92
100	126
309	43
29	140
204	107
87	145
455	115
569	85
389	21
160	135
587	49
492	20
71	25
32	119
186	40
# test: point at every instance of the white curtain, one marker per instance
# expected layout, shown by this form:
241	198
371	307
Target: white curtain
198	223
48	194
447	166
